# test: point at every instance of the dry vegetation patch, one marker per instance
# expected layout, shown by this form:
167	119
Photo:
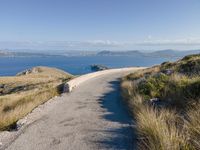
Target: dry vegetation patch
20	94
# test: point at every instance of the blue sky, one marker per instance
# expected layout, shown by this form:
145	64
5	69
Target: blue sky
100	24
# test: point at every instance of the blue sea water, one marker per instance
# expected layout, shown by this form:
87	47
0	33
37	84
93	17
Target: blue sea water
74	65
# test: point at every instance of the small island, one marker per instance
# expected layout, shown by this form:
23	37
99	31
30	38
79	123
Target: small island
97	67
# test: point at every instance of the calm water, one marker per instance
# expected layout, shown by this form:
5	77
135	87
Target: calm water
74	65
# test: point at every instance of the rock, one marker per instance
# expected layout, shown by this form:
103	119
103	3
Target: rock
29	71
67	88
2	85
2	88
156	102
98	67
21	122
167	71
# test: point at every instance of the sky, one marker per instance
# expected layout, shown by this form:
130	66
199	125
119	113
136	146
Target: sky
100	24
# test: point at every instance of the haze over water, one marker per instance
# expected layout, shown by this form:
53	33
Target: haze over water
74	65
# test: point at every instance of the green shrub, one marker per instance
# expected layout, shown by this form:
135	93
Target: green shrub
153	86
193	89
166	65
191	67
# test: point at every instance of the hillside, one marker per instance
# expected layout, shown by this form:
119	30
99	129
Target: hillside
165	102
172	53
22	93
161	53
119	53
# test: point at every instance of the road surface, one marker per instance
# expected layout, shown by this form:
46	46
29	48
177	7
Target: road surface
91	117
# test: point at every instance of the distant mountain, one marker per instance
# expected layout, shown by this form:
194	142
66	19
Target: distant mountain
119	53
172	53
162	53
77	53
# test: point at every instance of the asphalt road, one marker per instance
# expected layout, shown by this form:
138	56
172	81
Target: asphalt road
91	117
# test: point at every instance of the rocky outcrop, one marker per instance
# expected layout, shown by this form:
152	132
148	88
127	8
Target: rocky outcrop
98	67
29	71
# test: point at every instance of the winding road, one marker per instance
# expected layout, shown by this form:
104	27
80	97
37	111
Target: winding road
91	117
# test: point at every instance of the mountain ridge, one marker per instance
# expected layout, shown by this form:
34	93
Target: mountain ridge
159	53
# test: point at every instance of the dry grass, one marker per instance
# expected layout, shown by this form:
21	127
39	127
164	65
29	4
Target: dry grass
174	124
157	129
193	125
131	96
21	94
160	130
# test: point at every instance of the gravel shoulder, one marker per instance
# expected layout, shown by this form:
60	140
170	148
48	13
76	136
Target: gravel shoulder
92	116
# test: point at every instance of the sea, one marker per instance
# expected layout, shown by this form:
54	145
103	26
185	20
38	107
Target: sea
76	65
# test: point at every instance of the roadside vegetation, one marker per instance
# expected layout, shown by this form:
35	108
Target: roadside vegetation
20	94
165	103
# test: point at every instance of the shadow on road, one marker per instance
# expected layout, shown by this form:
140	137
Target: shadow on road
112	102
123	137
117	139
